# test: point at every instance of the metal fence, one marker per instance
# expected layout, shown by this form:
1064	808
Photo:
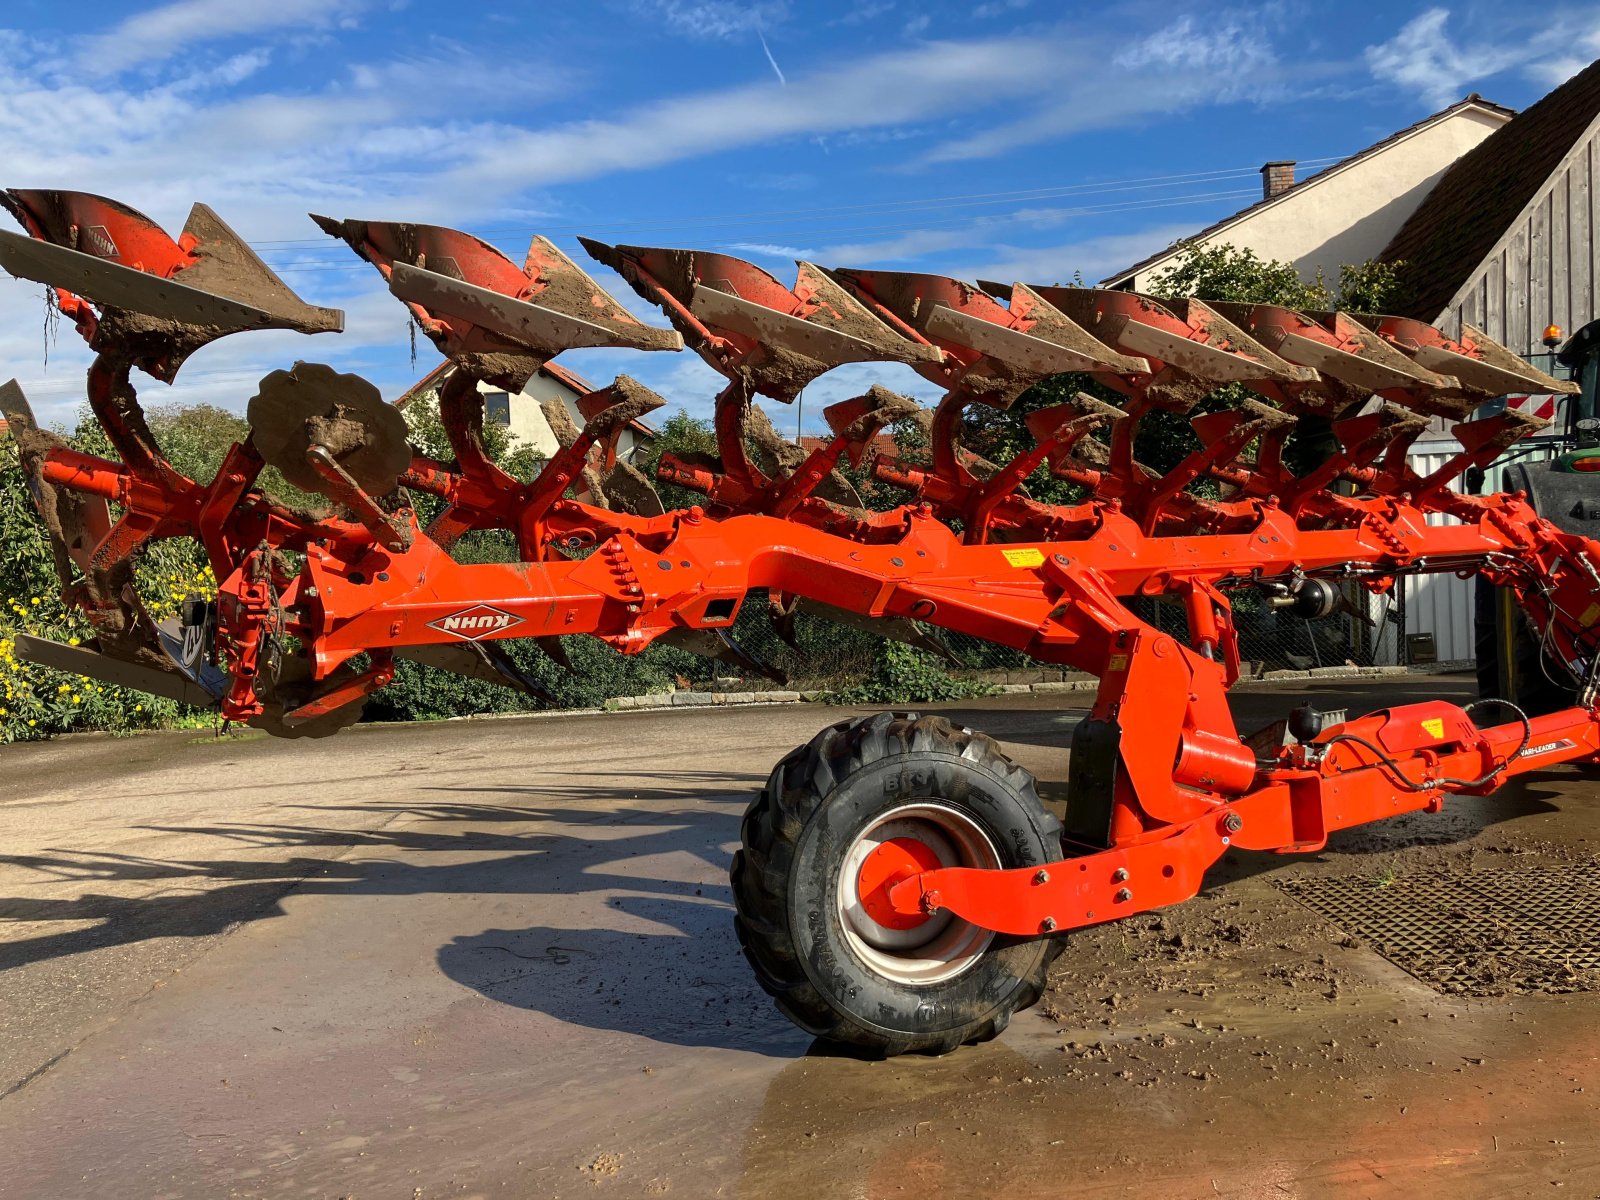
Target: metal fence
827	655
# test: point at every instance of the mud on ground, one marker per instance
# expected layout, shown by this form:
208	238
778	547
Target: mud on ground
1243	1044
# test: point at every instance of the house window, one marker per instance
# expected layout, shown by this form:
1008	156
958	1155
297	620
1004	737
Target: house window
497	407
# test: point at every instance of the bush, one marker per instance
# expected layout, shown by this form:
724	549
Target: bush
36	701
903	674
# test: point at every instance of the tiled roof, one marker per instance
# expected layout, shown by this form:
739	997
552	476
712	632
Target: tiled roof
431	381
1479	197
1473	100
428	383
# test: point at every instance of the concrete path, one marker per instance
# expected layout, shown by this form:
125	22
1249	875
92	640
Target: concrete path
496	959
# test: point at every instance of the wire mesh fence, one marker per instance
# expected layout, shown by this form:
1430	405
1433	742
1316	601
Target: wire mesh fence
822	654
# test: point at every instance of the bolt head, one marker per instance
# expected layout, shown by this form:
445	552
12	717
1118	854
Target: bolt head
1120	875
1123	896
1041	876
1046	925
1233	822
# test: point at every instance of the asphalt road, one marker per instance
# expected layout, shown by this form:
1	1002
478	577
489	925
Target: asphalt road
496	958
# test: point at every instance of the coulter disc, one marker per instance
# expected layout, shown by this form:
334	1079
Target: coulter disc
315	405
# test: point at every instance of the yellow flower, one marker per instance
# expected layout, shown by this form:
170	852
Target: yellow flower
31	724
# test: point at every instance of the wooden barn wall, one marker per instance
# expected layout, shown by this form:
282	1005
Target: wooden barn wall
1543	268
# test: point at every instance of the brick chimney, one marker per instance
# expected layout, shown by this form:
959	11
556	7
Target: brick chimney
1276	177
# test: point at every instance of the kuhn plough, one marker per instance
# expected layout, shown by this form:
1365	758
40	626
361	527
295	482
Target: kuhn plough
899	875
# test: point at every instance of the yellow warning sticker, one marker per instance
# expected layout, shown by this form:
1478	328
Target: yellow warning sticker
1590	615
1024	557
1119	662
1434	727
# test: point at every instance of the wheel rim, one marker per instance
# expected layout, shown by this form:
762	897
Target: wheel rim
924	835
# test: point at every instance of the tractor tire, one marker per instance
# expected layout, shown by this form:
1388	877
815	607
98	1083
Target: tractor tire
833	970
1537	689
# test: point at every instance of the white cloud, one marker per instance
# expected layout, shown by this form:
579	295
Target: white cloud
776	181
229	73
363	144
718	20
864	12
1094	258
903	247
1439	57
433	136
1184	64
879	91
770	250
1422	58
998	8
846	383
1553	72
173	29
981	249
1215	46
370	138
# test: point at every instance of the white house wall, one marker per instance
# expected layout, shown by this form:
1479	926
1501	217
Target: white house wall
1542	271
1349	213
529	427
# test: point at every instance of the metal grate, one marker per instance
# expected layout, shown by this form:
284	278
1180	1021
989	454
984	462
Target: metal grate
1484	934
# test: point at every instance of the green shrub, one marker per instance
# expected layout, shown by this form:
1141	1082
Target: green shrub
903	674
36	701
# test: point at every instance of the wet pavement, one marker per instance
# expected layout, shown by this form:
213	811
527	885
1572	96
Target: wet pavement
496	959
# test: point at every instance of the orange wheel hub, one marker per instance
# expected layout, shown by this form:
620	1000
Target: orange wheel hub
895	861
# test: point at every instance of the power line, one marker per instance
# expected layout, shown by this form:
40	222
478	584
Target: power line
931	203
789	235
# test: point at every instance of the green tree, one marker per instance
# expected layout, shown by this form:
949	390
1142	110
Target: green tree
1373	287
1211	272
1232	273
682	435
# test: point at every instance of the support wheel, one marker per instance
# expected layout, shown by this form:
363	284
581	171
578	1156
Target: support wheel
865	803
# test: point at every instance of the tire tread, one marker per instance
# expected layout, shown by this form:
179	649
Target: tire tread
797	787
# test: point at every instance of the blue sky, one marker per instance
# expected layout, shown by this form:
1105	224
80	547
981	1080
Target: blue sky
1012	139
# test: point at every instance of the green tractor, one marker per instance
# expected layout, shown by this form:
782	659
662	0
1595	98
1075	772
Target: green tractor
1560	474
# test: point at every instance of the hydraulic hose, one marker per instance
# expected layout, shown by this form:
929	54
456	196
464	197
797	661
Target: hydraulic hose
1448	783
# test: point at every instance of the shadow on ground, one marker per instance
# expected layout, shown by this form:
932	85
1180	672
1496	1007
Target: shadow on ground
630	888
